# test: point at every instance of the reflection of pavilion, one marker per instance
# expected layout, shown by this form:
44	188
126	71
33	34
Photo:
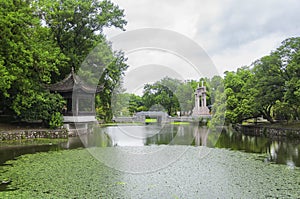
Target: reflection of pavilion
200	108
200	135
79	97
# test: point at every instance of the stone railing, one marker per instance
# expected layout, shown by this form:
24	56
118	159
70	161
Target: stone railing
269	131
32	134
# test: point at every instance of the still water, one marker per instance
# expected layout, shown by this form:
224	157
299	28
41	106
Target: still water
279	151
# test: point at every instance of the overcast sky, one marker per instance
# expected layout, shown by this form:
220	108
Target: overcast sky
234	33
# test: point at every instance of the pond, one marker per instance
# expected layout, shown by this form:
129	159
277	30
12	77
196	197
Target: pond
280	150
153	161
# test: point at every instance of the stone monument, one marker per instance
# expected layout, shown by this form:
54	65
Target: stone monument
200	108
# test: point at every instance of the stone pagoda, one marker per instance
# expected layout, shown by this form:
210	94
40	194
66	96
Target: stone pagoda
200	108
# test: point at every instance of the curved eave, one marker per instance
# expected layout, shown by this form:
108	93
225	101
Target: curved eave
73	83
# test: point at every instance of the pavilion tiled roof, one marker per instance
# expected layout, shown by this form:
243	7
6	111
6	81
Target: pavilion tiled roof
73	82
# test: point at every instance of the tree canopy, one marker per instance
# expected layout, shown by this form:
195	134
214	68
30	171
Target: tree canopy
268	88
41	41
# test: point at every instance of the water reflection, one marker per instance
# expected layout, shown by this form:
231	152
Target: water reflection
280	151
12	151
284	152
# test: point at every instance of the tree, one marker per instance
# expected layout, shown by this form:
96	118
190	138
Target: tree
42	40
289	53
185	95
215	85
110	80
268	83
160	94
136	104
270	88
218	98
239	100
77	26
28	57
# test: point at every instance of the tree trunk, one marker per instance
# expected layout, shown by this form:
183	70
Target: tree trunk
268	117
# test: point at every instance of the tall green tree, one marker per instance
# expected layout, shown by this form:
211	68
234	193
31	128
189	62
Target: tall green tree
28	57
77	26
136	104
239	99
160	95
110	81
270	88
269	84
289	53
185	95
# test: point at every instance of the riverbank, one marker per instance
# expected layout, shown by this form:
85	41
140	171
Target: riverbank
270	130
19	132
33	134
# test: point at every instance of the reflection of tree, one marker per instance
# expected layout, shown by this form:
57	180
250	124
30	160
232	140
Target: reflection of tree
164	136
238	141
173	135
281	152
99	138
284	152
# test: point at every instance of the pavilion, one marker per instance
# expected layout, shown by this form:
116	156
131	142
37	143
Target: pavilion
79	97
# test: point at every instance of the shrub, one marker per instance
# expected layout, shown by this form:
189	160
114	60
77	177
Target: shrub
56	120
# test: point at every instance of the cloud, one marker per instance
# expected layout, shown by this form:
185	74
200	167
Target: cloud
245	55
241	22
233	32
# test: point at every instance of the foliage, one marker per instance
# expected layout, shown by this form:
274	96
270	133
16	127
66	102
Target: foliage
42	40
218	97
269	88
110	80
185	95
172	95
162	93
268	83
56	120
28	57
239	100
120	104
136	104
77	26
38	106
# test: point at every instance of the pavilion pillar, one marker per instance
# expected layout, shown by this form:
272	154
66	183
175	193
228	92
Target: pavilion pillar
93	104
197	101
77	106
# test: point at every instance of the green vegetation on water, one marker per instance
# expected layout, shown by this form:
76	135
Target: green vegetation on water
122	123
76	174
59	174
150	120
180	123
